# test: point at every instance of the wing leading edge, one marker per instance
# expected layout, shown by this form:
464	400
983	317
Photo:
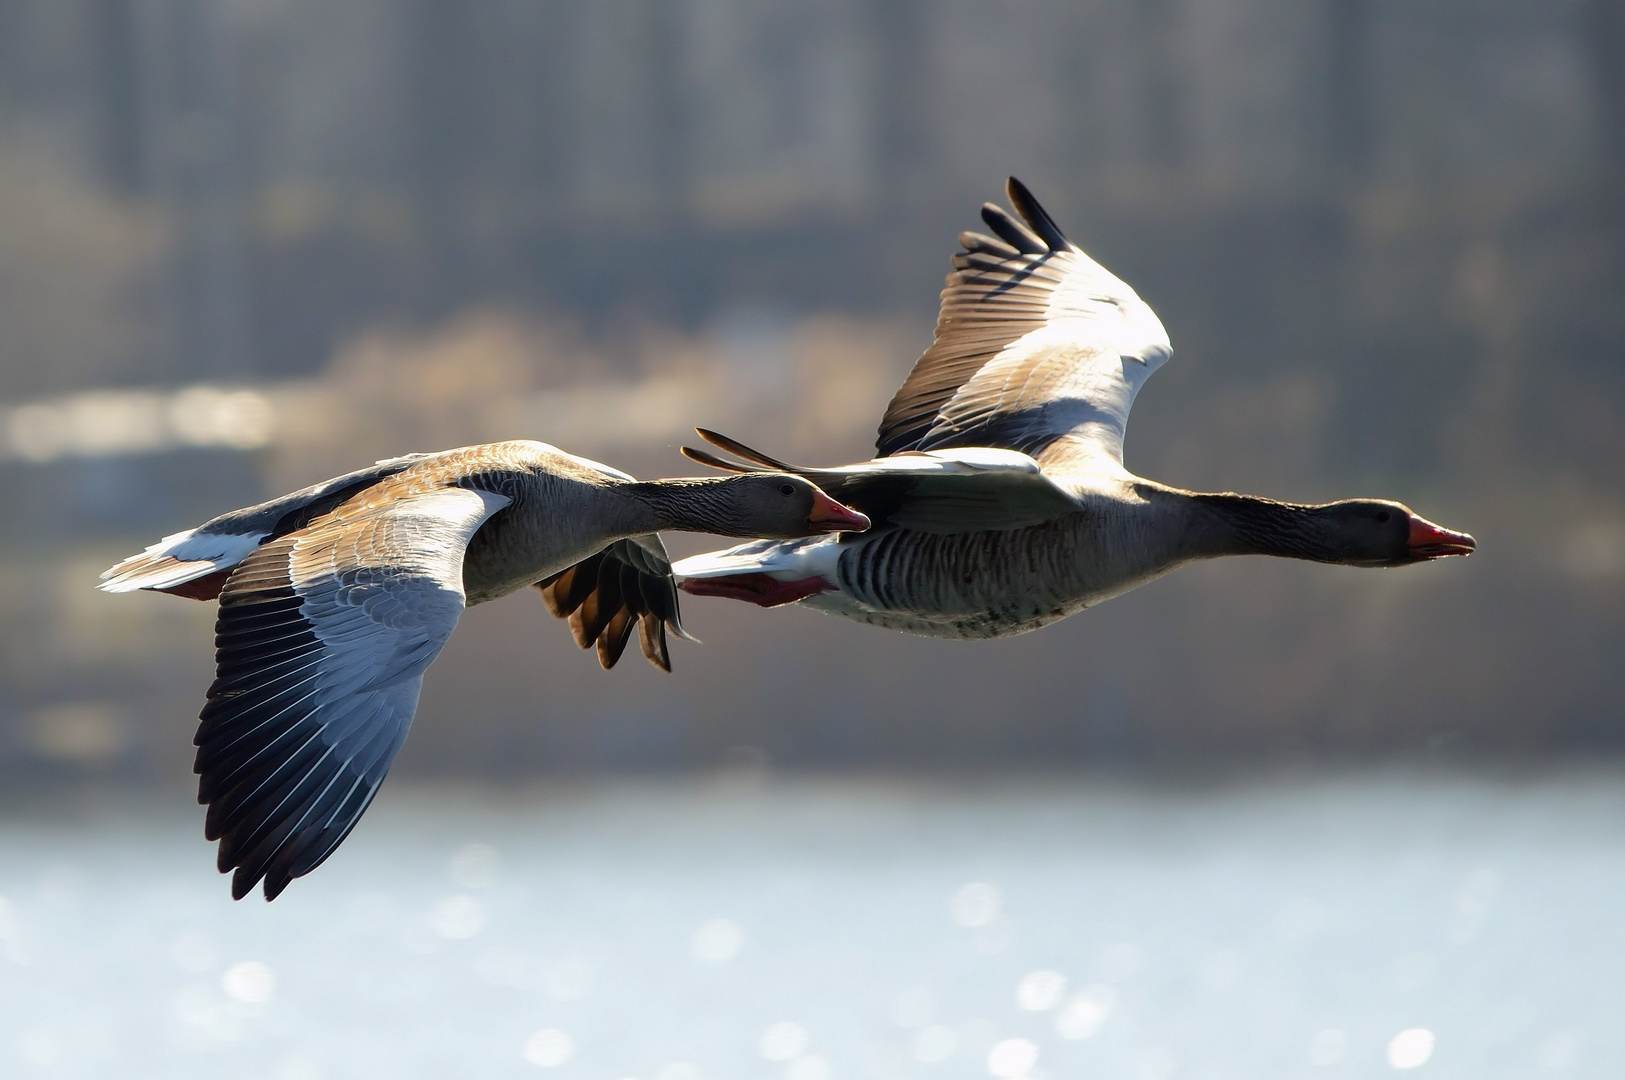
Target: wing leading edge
1036	345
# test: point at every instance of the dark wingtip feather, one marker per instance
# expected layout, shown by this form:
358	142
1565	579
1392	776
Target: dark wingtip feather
551	594
599	608
652	640
1011	231
705	457
974	242
612	642
577	583
579	625
1036	216
740	450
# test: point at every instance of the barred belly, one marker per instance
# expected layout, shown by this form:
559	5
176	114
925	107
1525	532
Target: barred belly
963	585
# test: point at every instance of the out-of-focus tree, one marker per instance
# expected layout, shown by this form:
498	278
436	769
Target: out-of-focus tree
74	266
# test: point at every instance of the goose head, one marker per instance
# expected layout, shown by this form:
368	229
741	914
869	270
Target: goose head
776	506
1376	532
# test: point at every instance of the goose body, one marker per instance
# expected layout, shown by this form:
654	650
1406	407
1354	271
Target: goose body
336	598
1000	500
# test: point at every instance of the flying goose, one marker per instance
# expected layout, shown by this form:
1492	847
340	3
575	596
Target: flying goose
999	498
334	599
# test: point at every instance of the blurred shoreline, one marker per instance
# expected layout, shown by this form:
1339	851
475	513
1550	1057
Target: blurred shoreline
245	247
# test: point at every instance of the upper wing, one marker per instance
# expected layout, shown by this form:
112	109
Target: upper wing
941	491
1035	343
321	643
628	583
196	562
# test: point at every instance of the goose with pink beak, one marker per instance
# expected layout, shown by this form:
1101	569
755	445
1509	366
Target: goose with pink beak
998	497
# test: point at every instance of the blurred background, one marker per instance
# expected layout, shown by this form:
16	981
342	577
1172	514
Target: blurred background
249	244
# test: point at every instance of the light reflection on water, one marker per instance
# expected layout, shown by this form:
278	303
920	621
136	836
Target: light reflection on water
824	931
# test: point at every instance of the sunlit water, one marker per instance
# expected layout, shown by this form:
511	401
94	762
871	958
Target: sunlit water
821	931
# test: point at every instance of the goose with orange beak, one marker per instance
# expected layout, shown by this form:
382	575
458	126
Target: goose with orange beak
336	598
999	498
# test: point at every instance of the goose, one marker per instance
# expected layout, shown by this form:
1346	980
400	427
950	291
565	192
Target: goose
998	494
334	599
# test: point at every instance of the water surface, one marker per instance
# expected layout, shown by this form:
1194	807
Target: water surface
817	930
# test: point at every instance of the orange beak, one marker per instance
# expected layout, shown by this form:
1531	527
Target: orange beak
830	516
1429	541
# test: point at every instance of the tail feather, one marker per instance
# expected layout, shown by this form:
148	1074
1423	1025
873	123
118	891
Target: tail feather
812	556
178	559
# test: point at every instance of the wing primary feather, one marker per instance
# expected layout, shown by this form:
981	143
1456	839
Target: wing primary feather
548	587
612	642
976	243
572	592
705	457
1036	216
1011	231
600	607
350	815
632	589
289	863
652	640
739	449
272	840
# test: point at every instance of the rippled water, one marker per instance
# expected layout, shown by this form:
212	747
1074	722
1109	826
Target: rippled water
820	931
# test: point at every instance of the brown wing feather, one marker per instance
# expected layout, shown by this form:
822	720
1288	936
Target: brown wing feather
626	587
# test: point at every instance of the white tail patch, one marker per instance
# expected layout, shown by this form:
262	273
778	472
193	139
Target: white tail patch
179	558
783	560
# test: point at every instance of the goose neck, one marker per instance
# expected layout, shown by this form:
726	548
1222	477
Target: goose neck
681	505
1231	524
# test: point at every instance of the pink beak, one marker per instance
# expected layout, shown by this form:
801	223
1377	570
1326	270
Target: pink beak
1429	541
830	516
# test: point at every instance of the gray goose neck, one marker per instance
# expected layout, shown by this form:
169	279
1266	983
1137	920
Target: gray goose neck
699	504
1231	524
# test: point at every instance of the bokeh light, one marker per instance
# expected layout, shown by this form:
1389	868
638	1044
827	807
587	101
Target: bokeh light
1082	1016
249	981
1012	1058
1039	991
475	866
1410	1048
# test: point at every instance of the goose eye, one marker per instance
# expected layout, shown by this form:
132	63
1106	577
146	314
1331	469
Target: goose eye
1383	516
786	489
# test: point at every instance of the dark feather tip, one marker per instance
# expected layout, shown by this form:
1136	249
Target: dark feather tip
705	457
1035	215
1011	231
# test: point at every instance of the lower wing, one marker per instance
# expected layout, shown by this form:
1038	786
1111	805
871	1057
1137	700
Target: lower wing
321	642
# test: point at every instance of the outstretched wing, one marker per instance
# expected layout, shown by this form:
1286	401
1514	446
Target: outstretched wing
1036	345
627	585
938	491
320	647
196	563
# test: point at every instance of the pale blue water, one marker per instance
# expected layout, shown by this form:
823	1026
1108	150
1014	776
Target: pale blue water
823	931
